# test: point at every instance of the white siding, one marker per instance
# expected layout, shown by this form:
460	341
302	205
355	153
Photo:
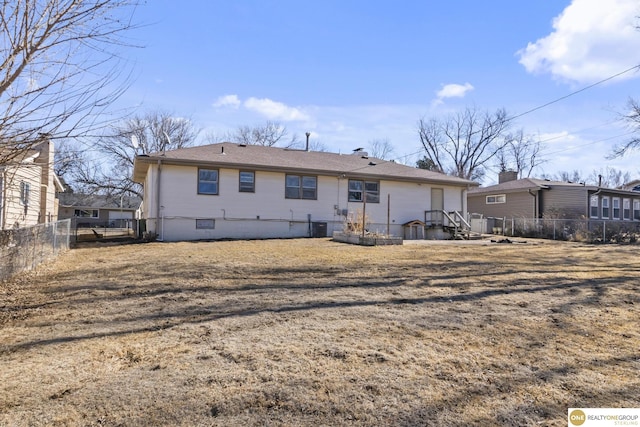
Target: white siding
15	214
266	213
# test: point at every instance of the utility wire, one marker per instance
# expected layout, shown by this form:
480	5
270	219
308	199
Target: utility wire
635	67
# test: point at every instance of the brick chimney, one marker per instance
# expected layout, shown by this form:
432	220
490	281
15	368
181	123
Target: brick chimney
506	176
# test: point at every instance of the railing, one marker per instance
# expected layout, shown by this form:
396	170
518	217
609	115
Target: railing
453	220
25	248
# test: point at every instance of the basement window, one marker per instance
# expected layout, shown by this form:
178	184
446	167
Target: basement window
496	198
205	224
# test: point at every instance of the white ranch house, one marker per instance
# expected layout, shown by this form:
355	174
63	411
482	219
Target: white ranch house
234	191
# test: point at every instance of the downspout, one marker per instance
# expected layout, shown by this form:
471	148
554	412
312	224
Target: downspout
158	181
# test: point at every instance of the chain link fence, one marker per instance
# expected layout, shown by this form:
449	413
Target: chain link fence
578	230
25	248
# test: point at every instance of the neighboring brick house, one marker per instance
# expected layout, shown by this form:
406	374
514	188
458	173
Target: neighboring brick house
540	198
28	186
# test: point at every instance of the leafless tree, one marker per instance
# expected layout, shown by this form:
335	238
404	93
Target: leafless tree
269	134
609	177
380	148
111	172
60	66
464	143
521	153
632	119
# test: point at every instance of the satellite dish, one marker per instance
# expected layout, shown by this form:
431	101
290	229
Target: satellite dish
135	142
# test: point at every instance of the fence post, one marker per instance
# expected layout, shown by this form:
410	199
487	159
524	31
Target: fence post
604	231
554	229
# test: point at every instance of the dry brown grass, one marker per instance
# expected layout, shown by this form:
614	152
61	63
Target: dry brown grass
313	332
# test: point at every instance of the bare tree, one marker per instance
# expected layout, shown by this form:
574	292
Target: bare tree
269	134
565	176
609	177
632	119
155	132
521	153
59	67
464	143
380	148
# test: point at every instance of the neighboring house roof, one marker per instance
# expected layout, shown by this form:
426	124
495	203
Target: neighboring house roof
632	185
523	184
91	201
260	157
526	184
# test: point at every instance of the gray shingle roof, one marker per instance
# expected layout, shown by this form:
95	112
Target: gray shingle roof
282	159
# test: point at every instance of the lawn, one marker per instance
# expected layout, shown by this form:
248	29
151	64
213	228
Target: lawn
314	332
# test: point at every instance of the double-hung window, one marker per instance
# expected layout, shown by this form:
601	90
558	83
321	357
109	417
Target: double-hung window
301	187
593	207
247	182
358	189
25	189
616	208
605	208
208	181
636	210
626	209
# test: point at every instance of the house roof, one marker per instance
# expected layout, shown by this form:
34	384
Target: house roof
259	157
526	184
93	201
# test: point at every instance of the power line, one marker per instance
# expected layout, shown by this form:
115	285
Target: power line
635	67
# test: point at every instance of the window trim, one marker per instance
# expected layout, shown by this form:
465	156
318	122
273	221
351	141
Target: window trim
626	209
217	182
497	199
614	208
300	187
253	181
25	192
372	196
604	204
592	206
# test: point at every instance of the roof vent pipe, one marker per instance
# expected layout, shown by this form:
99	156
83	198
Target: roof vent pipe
308	135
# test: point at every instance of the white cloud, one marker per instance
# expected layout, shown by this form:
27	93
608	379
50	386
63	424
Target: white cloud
591	40
227	101
454	90
275	110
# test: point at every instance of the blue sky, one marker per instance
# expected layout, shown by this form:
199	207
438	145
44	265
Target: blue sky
354	71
